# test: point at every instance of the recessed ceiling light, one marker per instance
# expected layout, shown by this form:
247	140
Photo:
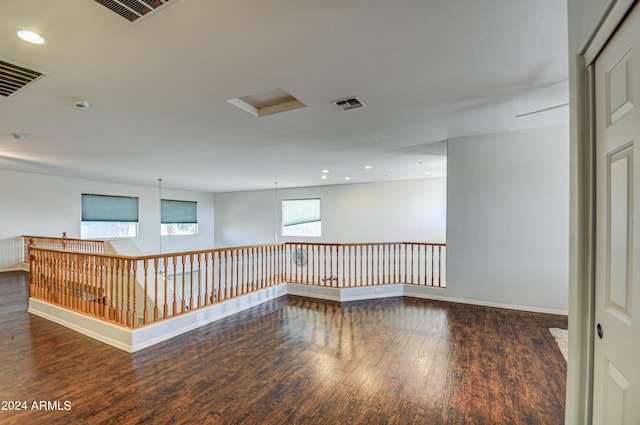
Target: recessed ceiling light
347	178
19	136
368	167
30	36
323	177
419	162
427	172
325	171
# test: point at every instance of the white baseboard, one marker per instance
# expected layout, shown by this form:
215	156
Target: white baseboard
19	267
132	340
154	333
400	290
428	293
108	333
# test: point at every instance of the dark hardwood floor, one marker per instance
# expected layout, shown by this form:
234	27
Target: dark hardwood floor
292	361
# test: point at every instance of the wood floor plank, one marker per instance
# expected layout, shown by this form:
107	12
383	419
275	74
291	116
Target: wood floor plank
293	360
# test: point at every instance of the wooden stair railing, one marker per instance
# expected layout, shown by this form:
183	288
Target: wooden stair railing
133	291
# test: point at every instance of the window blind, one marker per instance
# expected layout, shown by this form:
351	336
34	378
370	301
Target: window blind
109	208
179	211
300	211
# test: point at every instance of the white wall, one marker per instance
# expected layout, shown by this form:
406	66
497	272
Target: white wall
373	212
42	205
507	226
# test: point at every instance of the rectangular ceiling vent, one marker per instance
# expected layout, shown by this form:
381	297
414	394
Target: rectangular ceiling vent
349	103
14	77
135	10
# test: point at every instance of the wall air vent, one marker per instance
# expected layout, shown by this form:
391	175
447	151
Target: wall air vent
348	103
14	77
135	10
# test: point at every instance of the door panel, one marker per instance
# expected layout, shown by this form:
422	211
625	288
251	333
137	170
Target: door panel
617	311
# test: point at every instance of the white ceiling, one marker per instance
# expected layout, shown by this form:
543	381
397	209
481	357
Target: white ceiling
428	70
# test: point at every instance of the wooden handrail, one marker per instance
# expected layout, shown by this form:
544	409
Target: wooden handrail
64	243
136	290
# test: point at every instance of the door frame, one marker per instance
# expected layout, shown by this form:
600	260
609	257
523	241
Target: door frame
579	400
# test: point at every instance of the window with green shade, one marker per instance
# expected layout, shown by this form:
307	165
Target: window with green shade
178	217
108	217
301	217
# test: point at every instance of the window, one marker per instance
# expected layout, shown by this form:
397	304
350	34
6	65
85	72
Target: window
179	218
109	217
301	217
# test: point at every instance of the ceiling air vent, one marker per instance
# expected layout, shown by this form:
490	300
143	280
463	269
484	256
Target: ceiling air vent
134	10
14	77
348	103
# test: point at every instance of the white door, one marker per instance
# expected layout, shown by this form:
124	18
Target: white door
617	343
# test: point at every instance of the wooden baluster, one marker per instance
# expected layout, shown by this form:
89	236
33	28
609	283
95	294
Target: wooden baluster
250	270
367	279
386	279
324	267
263	266
269	265
311	259
155	292
376	262
208	296
272	265
114	276
235	289
165	306
104	292
221	294
199	298
342	274
68	281
333	260
265	271
183	303
120	290
86	283
215	296
418	251
95	279
439	265
133	281
108	287
352	265
175	286
276	264
256	267
266	266
426	263
189	270
95	286
412	269
241	280
226	287
145	292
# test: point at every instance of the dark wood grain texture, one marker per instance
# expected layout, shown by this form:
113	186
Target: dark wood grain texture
293	361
